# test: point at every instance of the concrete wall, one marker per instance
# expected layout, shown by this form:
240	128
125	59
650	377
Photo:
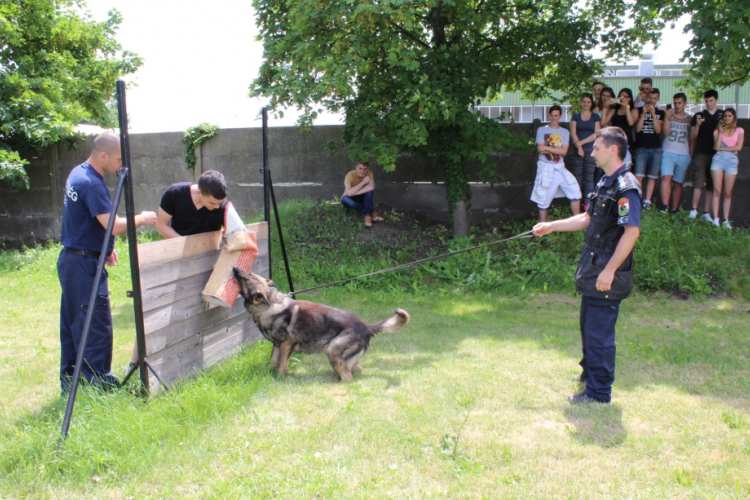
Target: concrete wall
301	167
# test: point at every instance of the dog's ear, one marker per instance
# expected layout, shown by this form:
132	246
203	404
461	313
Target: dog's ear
260	298
270	283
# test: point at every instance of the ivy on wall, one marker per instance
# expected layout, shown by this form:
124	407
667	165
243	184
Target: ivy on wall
194	137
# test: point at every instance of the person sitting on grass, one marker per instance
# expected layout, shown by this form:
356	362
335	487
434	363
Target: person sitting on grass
359	186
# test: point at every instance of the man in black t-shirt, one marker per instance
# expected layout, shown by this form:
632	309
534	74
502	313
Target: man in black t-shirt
188	209
702	132
647	153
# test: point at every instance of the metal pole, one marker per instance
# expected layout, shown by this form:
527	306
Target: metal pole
90	313
281	236
266	187
737	97
135	273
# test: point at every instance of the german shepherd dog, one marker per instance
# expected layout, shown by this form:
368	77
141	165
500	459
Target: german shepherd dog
299	325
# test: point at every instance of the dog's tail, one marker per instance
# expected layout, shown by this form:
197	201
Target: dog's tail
393	324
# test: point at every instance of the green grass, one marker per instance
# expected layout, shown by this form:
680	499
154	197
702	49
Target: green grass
467	402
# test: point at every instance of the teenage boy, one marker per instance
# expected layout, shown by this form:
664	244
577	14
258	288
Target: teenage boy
675	153
187	208
552	179
647	154
702	129
359	186
644	93
605	269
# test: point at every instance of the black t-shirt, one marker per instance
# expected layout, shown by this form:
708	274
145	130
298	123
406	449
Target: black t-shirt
186	220
704	144
621	121
647	137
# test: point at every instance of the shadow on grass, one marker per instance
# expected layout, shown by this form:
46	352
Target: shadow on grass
596	424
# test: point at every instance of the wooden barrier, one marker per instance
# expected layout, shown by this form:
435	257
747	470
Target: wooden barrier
184	334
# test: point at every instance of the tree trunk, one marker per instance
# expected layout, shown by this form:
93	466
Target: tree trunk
461	220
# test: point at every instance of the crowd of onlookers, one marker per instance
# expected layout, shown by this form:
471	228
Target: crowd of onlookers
664	142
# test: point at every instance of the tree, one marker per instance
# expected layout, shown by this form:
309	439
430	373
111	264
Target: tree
58	68
719	52
407	72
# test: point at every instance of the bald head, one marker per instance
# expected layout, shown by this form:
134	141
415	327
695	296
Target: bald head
108	142
105	156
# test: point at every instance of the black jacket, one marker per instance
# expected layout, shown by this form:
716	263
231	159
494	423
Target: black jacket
602	237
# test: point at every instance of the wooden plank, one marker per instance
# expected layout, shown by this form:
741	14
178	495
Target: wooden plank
176	312
167	293
177	332
158	252
228	339
177	362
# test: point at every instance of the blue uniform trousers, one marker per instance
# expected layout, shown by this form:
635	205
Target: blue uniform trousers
598	318
76	274
361	203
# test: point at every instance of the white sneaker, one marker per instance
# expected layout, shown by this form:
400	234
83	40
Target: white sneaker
646	205
716	222
693	214
706	216
726	225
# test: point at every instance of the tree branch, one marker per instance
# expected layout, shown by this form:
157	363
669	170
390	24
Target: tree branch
409	34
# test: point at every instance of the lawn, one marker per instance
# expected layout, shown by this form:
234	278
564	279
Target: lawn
467	402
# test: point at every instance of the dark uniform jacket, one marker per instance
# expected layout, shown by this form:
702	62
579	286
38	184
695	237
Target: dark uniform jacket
603	235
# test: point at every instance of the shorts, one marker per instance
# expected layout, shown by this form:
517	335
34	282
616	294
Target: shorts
701	179
674	165
647	162
725	161
551	182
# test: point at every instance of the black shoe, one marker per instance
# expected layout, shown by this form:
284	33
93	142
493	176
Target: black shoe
582	398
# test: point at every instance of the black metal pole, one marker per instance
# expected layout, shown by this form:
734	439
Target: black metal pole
90	313
266	187
135	272
281	235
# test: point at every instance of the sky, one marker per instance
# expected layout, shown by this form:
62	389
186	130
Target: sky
200	58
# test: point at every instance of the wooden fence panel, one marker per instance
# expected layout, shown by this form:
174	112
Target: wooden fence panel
184	334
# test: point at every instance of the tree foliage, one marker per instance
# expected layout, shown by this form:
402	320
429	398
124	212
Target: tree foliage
719	51
194	137
58	68
406	73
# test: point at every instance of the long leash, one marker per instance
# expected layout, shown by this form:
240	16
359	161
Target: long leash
527	234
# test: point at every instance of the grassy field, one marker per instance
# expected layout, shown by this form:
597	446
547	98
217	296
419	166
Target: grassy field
468	402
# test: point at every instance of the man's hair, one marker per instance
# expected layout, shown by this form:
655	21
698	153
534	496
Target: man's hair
680	95
365	163
647	80
655	91
711	93
555	108
596	83
614	136
213	183
107	142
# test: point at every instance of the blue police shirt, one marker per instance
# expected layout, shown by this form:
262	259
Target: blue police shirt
86	196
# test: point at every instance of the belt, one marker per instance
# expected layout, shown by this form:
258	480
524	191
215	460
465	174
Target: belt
85	253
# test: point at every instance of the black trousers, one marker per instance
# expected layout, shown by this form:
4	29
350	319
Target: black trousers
598	319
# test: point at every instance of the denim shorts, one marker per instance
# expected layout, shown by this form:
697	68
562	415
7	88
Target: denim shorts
647	162
674	165
726	161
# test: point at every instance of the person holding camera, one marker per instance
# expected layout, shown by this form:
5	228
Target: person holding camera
647	152
702	132
675	153
728	140
644	93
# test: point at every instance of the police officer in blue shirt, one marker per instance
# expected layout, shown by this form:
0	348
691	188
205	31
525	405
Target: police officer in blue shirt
605	270
85	216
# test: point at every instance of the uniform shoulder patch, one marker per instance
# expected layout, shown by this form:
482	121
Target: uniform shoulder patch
623	207
628	181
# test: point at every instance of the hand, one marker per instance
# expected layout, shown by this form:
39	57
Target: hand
542	229
604	281
580	151
699	119
147	218
112	259
670	112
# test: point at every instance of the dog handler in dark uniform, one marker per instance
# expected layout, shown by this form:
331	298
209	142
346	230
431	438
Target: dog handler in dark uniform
85	216
605	270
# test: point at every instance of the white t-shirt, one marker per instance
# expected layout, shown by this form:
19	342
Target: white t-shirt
678	140
554	138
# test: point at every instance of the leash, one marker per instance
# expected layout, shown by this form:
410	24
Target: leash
527	234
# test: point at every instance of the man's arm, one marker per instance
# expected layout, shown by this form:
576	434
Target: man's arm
575	223
162	225
121	224
624	247
641	119
695	127
544	149
363	187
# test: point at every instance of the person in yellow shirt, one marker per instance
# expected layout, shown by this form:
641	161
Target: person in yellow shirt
359	186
